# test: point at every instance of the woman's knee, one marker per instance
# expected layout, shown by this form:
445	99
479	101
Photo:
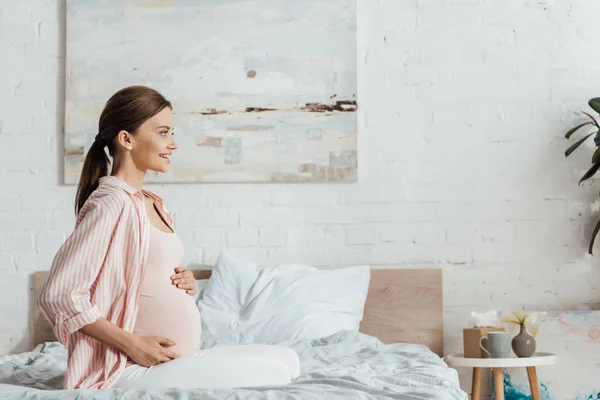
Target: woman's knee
284	355
293	362
290	358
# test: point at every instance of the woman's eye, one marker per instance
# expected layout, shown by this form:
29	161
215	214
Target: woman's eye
164	133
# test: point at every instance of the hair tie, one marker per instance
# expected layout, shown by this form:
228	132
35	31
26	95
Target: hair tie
98	138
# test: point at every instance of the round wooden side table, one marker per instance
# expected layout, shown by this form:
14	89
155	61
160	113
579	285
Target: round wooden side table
497	365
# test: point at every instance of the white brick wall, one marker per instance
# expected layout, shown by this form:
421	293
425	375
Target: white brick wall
463	104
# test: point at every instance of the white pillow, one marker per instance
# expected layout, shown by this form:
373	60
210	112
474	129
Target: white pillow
200	285
244	303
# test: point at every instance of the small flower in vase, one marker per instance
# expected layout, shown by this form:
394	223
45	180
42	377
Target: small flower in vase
523	344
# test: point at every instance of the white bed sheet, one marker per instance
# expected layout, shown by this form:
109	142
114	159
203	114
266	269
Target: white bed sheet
344	365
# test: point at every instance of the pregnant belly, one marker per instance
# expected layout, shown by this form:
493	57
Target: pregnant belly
173	314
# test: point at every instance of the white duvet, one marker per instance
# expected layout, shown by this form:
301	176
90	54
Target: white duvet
345	365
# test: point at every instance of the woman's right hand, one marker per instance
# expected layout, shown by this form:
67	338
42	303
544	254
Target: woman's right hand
150	350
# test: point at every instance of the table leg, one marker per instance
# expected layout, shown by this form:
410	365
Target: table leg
476	386
533	383
498	384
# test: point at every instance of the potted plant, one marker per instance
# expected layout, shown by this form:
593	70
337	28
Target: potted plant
592	123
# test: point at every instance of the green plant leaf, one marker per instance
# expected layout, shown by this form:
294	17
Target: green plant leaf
595	104
577	144
573	130
590	173
596	230
592	118
596	156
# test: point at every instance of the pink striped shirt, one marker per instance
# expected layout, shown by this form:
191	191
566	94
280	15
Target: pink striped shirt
97	273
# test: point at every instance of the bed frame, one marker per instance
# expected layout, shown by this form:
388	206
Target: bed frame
403	305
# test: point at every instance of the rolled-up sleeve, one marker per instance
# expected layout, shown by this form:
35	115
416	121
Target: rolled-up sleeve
65	298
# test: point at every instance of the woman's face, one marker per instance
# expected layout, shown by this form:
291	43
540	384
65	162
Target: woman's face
153	144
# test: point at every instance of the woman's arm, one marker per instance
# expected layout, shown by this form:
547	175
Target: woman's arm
143	350
110	334
64	297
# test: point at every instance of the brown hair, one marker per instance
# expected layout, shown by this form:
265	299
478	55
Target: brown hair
126	110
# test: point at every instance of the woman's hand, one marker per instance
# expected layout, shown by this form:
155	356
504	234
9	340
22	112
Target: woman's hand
150	350
184	279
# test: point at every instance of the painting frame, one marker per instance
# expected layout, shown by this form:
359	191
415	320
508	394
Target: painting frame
273	100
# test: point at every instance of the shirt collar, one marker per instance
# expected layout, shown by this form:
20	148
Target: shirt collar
114	182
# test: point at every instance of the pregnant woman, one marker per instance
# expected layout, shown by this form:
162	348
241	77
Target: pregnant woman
116	295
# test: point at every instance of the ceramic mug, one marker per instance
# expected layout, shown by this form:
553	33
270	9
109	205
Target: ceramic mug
498	343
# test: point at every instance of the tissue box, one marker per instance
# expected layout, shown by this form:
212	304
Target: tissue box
471	337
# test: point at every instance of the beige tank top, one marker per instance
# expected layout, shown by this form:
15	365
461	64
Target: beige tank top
164	310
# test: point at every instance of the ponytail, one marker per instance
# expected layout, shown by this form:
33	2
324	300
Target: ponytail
95	167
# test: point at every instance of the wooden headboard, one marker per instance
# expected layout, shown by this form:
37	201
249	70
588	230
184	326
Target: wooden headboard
403	305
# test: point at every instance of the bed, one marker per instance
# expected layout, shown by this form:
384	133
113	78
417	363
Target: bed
395	354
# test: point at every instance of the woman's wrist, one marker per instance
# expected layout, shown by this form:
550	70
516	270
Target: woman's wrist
125	342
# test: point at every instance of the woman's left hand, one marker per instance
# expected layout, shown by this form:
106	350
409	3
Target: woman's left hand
184	279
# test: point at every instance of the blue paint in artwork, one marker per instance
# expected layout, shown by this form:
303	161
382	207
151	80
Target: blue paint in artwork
233	150
512	393
254	62
522	392
574	317
591	396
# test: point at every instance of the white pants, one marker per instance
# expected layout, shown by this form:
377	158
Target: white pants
218	367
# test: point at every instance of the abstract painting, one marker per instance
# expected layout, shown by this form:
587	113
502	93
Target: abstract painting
262	90
575	338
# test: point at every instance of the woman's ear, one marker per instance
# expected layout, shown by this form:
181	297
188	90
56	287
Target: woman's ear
124	139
